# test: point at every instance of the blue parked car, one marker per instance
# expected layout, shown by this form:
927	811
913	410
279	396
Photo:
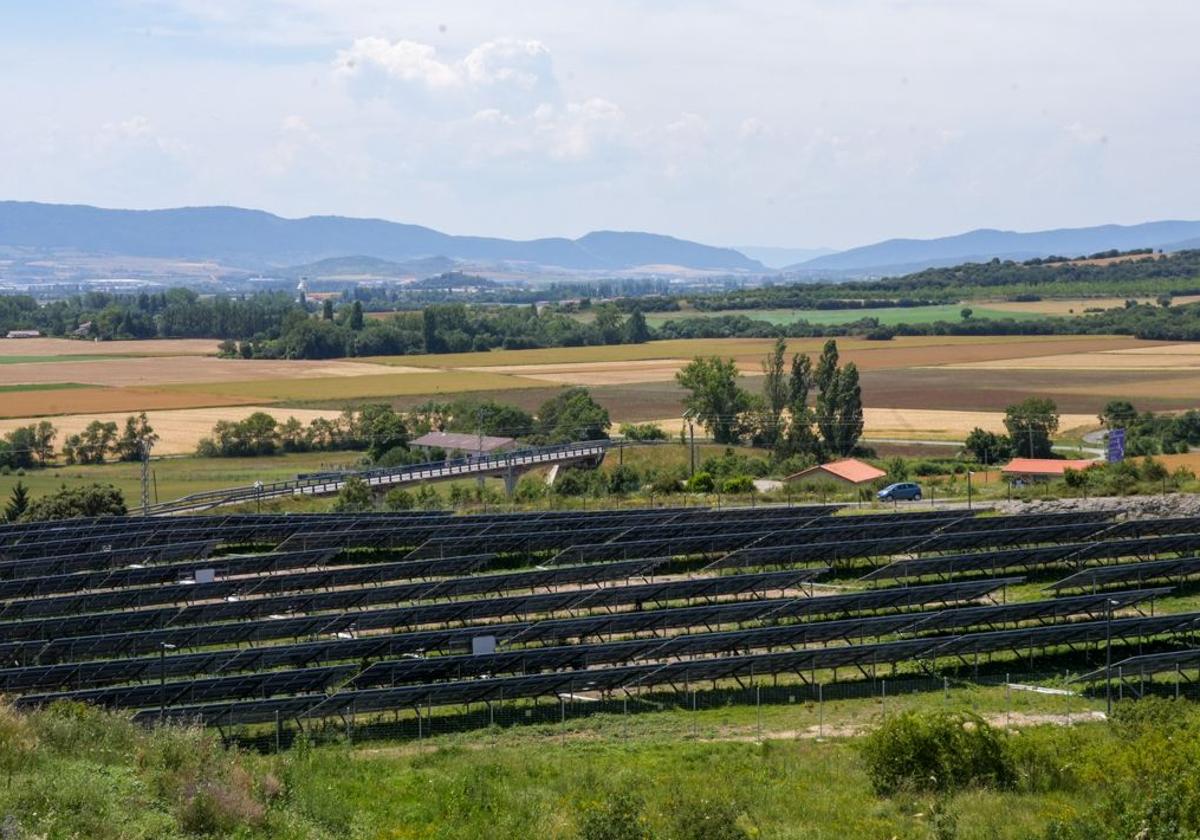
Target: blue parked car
905	491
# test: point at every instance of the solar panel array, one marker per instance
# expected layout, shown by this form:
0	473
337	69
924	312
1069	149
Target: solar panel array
243	619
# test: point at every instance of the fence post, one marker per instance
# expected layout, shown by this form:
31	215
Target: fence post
278	734
820	710
883	697
758	706
625	716
1007	702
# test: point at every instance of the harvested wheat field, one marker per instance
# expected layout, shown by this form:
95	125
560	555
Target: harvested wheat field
41	403
167	370
178	431
1156	358
595	373
1073	306
76	347
931	424
363	387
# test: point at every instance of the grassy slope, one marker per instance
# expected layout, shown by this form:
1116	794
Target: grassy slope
80	773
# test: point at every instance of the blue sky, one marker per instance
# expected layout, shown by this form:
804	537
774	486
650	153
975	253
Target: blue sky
801	123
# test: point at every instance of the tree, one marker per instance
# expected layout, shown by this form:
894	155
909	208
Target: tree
327	310
429	331
354	497
609	324
72	502
636	330
1031	425
849	414
18	502
571	415
356	316
1118	414
92	444
43	441
715	400
987	447
827	366
137	433
776	392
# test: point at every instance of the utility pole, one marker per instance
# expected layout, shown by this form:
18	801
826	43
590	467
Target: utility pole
969	474
144	445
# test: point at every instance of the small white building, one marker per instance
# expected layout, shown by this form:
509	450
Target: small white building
23	334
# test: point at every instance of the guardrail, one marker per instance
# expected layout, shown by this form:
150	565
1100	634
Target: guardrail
384	477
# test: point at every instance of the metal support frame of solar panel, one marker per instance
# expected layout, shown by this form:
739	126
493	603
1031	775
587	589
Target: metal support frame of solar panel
1094	577
82	649
540	658
1057	635
627	677
59	678
380	577
1146	663
137	574
61	626
236	623
605	680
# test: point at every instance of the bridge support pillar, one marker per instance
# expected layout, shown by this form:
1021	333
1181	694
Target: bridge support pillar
510	481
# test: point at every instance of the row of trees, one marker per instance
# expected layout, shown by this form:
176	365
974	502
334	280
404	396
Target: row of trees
66	503
32	446
383	433
804	410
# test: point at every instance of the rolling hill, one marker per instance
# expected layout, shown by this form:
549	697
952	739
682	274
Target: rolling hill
898	256
254	238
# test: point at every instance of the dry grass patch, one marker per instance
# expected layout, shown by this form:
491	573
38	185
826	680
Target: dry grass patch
1145	359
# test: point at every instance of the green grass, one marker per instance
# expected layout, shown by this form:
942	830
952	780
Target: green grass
889	315
177	477
76	772
45	386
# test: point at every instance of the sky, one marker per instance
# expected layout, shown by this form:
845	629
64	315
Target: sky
794	123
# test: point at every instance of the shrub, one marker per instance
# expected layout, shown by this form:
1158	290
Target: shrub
354	497
399	499
936	751
624	479
619	817
738	484
706	818
701	482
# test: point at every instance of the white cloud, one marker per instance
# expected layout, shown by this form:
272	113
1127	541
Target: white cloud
504	74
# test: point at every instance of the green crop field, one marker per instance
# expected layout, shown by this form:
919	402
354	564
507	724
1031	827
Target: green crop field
890	315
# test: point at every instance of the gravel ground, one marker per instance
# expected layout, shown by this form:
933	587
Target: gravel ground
1135	507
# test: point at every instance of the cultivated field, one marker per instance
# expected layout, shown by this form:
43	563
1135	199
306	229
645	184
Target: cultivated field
70	347
962	381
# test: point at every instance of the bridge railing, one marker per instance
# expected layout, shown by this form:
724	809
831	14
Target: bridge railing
323	484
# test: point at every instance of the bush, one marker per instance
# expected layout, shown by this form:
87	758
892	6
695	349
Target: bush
642	431
706	818
354	497
936	751
619	817
73	502
738	484
399	499
624	479
701	482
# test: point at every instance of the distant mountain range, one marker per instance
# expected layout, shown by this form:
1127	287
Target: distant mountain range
255	238
256	241
900	256
773	257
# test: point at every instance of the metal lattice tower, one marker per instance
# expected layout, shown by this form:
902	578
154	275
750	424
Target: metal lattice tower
145	446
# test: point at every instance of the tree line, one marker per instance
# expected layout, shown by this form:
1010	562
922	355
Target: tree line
33	446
